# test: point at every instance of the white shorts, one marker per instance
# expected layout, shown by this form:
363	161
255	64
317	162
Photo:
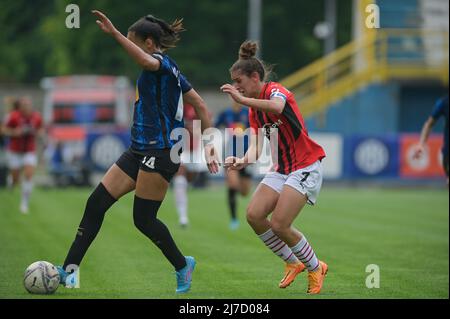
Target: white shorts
19	160
307	180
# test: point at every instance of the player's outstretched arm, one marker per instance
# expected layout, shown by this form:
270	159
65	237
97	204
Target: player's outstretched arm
146	61
425	133
193	98
275	105
201	109
251	156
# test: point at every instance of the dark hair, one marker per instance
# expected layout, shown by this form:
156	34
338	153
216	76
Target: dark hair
249	63
165	35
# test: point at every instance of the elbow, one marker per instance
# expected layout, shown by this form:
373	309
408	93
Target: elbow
279	110
145	65
202	110
148	65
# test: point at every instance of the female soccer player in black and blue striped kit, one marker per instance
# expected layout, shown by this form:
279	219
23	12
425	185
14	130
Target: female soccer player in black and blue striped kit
147	167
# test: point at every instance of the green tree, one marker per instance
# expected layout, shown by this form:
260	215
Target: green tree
34	41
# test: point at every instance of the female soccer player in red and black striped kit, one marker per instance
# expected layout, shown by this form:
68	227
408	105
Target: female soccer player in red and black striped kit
23	125
296	177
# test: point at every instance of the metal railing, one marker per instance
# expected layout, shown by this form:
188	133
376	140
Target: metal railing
391	54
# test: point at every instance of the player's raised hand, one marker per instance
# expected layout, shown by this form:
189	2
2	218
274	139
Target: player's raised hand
234	163
212	159
233	92
104	23
418	151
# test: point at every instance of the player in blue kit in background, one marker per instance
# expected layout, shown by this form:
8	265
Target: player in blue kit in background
235	118
440	110
148	166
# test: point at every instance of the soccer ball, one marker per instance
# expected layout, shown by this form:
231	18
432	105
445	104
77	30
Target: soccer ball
41	277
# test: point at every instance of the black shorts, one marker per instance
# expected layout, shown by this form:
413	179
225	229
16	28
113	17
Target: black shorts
245	173
155	161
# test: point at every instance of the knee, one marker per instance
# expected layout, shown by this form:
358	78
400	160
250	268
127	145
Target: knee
279	227
254	217
142	221
144	213
100	199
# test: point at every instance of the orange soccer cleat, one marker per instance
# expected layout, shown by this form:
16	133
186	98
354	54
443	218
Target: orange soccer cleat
291	271
316	278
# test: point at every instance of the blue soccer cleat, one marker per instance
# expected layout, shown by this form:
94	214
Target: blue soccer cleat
184	276
69	280
62	275
234	224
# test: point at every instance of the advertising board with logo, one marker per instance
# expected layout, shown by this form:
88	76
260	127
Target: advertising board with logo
104	148
371	156
428	165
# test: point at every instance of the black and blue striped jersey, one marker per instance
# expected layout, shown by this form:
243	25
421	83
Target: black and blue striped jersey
159	106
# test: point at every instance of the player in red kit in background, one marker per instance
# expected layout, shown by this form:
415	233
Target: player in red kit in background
22	125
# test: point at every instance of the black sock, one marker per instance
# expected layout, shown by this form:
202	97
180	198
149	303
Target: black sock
232	202
144	214
96	206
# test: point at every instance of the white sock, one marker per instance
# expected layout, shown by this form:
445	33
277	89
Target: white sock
278	247
180	185
27	187
305	254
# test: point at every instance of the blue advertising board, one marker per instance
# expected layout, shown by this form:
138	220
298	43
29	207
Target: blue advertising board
371	156
105	147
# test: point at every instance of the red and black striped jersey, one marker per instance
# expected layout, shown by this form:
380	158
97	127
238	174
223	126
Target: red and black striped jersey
296	149
30	124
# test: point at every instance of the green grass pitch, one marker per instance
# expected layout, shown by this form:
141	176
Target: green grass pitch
405	232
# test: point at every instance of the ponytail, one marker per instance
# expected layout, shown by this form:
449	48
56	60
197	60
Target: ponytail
248	63
165	35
